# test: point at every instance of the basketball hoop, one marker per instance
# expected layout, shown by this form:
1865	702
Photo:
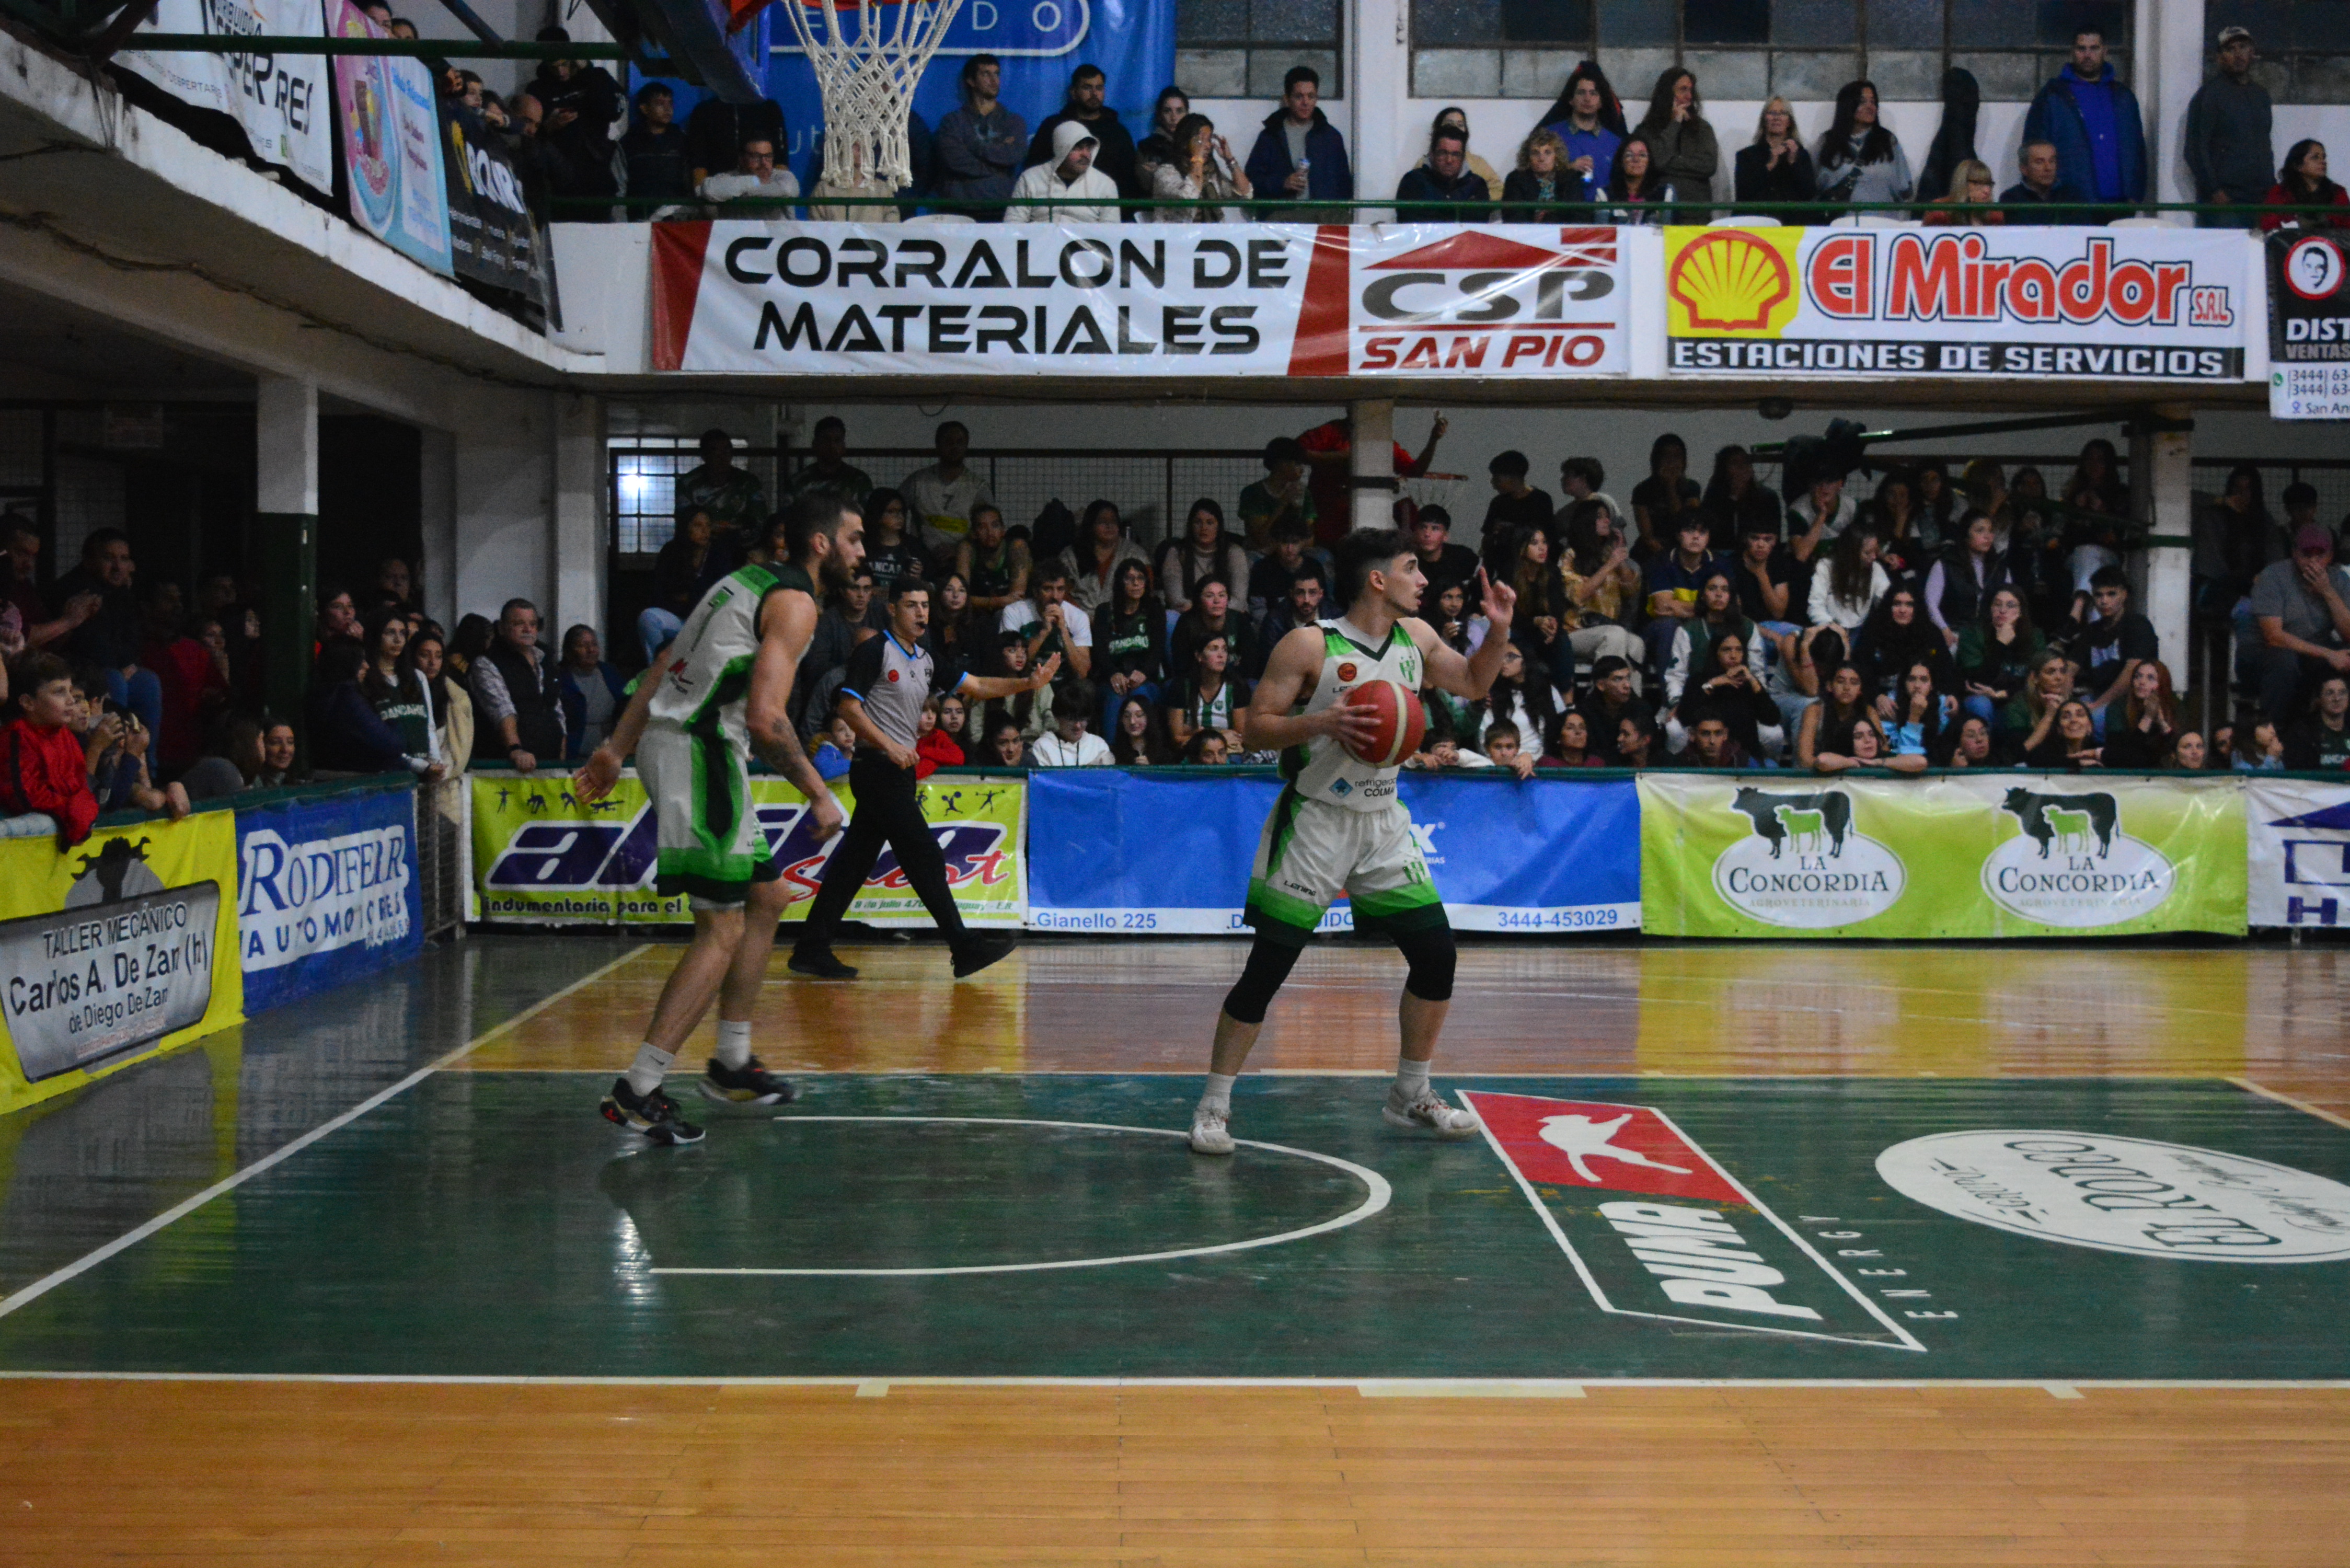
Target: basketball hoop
866	73
1444	490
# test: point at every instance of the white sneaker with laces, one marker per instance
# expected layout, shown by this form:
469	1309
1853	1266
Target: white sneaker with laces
1427	1111
1211	1131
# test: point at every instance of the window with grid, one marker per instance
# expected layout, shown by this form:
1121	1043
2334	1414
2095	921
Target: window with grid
643	472
1242	48
2305	46
1754	49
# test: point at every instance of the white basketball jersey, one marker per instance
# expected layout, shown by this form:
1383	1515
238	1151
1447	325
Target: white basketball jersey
1324	770
709	688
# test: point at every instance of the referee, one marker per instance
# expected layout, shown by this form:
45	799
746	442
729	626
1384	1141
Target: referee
888	682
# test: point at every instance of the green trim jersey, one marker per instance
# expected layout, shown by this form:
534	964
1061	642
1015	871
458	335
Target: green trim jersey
708	688
1322	768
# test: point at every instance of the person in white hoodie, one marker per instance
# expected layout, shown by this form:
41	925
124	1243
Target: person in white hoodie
1070	175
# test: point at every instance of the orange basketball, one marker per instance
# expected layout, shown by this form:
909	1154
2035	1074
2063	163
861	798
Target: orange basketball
1400	723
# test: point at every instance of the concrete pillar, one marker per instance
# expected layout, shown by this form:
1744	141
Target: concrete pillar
285	533
503	474
2162	444
1373	471
1378	58
437	573
576	539
2174	45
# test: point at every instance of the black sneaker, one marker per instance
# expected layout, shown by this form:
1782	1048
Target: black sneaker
655	1116
976	953
749	1084
819	963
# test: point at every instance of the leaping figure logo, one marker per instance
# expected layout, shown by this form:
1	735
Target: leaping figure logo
1580	1136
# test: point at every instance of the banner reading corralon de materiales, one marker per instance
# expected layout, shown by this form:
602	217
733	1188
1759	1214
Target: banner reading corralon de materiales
2004	854
2082	303
1138	299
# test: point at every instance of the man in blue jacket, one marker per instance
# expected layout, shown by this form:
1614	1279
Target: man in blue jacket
2094	122
1299	154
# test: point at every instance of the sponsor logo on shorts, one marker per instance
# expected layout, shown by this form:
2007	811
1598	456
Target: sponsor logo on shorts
1340	787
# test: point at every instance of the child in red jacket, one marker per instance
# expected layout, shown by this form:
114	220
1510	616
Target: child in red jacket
42	767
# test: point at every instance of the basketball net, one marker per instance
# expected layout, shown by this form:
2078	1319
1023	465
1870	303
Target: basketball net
866	73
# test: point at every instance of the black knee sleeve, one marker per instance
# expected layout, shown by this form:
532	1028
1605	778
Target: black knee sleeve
1432	955
1269	964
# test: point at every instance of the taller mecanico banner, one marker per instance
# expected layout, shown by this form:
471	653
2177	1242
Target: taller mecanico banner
2062	303
1137	299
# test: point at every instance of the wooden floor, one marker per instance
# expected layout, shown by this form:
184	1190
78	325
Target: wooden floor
180	1470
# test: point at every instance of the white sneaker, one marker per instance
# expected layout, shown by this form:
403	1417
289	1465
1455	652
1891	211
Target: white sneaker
1427	1111
1211	1131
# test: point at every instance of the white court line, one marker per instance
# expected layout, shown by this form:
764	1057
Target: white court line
188	1206
1378	1195
1376	1387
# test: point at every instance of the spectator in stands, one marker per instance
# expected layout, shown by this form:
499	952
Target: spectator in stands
857	604
395	584
2322	739
2303	182
1688	155
1775	169
1570	743
756	176
1588	120
1762	576
42	628
1444	176
1602	584
2093	121
2029	718
338	617
945	497
2230	122
1115	154
1724	689
1442	562
2234	537
1200	167
1283	492
593	692
1211	615
1607	704
517	699
1710	745
1970	744
1673	580
2141	735
278	755
1637	191
1546	614
1068	190
890	554
1540	189
1130	630
397	693
1050	624
1896	636
2115	643
1734	504
1916	717
194	687
995	567
1006	745
1162	145
1824	744
1135	739
1205	549
979	144
829	471
113	635
1329	453
42	763
1854	581
115	747
1103	546
1717	613
2263	752
733	497
716	130
1505	747
1521	695
656	155
1209	696
837	751
1209	749
1299	155
1636	741
1031	712
1580	479
1659	500
1859	159
578	104
959	637
1969	201
690	562
1997	653
1453	117
2043	192
2300	625
230	765
1816	519
2065	740
935	747
1303	606
2187	754
453	707
347	736
1516	505
1968	569
1072	744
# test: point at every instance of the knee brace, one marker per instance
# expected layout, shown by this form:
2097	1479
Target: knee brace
1269	964
1432	955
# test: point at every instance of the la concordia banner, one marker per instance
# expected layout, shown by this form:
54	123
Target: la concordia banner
2062	303
542	859
2006	855
1139	299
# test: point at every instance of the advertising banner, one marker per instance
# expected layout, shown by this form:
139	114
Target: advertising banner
391	145
2092	303
326	892
1211	299
541	859
2309	325
1114	851
493	239
281	101
2005	855
113	949
2297	852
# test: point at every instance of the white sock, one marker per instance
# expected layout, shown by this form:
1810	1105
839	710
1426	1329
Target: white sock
645	1074
733	1043
1218	1094
1411	1077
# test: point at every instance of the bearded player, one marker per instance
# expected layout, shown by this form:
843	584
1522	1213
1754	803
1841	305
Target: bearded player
1339	826
717	693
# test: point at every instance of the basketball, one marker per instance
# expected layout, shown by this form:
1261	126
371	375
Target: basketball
1400	723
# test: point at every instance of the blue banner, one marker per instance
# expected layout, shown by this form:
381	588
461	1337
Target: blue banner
1113	851
326	892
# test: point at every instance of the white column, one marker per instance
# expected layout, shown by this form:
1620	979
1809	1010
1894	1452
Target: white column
438	482
285	446
2161	481
576	541
1377	84
504	461
2172	47
1374	461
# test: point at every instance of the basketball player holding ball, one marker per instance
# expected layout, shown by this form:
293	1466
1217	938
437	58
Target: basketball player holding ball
1341	701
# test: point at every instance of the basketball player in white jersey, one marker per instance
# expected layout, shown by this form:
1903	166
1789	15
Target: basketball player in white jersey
1339	826
719	692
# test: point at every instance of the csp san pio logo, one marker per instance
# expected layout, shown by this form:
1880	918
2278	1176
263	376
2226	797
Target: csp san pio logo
1737	281
2072	864
1802	863
2131	1195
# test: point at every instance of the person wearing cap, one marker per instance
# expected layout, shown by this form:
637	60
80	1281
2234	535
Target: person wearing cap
2229	126
2301	622
1079	193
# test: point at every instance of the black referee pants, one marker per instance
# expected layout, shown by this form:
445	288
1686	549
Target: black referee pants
888	811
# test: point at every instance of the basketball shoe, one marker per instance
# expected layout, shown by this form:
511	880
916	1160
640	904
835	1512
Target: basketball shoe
1211	1131
655	1114
748	1084
1427	1111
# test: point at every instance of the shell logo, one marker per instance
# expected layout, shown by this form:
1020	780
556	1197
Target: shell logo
1735	281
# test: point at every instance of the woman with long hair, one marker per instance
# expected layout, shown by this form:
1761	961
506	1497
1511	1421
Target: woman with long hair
1545	617
1173	106
1520	695
1859	157
2302	182
1103	545
1135	738
1719	614
954	653
1726	686
2235	536
1206	548
2032	717
891	550
2150	720
1823	743
1542	187
1921	713
396	691
1568	744
1963	575
1211	615
1129	642
693	559
1659	501
1687	153
1200	168
1637	191
1970	204
428	655
1970	744
1997	653
1774	168
1936	502
1601	580
2069	744
2320	741
1588	120
1845	594
345	735
592	693
1896	635
1734	504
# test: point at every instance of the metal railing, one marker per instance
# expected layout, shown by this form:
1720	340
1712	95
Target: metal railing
444	859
